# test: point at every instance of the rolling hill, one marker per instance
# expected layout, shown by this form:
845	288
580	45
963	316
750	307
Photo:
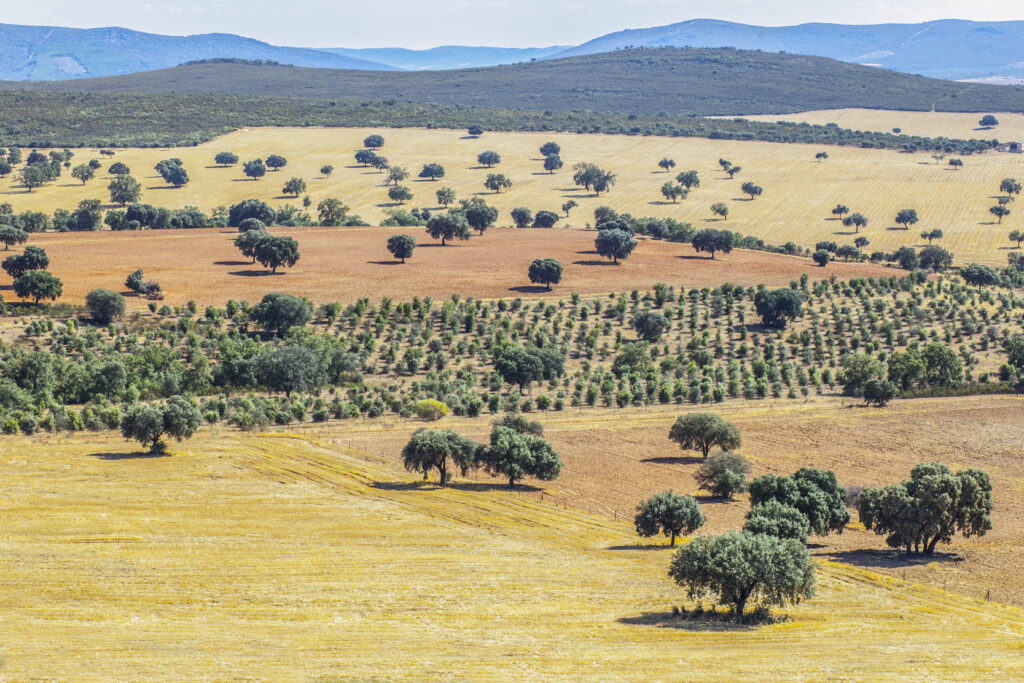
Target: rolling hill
52	53
951	48
659	82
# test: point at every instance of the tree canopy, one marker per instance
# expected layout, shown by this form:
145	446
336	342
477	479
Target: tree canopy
929	508
814	492
723	474
703	431
104	305
448	226
401	246
515	456
712	241
431	449
739	566
545	271
149	423
668	513
280	312
777	307
614	244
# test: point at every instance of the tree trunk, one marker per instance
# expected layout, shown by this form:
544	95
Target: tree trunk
443	469
673	543
511	482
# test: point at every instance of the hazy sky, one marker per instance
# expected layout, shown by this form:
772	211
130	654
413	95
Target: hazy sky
513	23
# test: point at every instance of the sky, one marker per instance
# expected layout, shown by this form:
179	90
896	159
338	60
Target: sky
507	23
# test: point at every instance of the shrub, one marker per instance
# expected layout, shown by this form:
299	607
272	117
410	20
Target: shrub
430	410
724	474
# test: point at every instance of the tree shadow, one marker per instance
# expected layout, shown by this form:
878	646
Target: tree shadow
579	196
138	455
675	460
218	166
697	625
542	173
424	180
898	228
890	558
244	180
232	263
588	252
163	187
385	263
713	500
845	232
253	273
594	263
663	203
695	257
642	546
429	245
405	485
529	289
483	487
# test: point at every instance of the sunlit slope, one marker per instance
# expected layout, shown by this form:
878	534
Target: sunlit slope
799	193
275	558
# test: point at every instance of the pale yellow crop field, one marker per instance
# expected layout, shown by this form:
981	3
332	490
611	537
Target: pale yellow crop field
924	123
796	206
279	558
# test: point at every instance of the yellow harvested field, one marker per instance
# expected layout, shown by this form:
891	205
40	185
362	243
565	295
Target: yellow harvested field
279	558
924	123
796	206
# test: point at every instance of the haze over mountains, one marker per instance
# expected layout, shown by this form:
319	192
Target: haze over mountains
949	49
42	53
449	56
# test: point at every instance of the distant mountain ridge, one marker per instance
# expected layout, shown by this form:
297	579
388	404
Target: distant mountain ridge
52	53
949	48
448	56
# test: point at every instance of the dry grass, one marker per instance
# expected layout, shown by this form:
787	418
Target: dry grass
799	193
343	264
926	124
278	558
614	459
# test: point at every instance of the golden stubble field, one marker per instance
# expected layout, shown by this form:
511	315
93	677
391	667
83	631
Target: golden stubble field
799	193
344	264
616	458
925	123
288	558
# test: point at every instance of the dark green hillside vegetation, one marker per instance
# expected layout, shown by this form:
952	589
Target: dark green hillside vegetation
58	119
282	361
636	92
672	81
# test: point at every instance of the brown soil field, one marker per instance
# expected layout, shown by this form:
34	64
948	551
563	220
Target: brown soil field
615	459
344	264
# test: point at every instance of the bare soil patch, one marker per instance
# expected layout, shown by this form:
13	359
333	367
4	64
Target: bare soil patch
344	264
